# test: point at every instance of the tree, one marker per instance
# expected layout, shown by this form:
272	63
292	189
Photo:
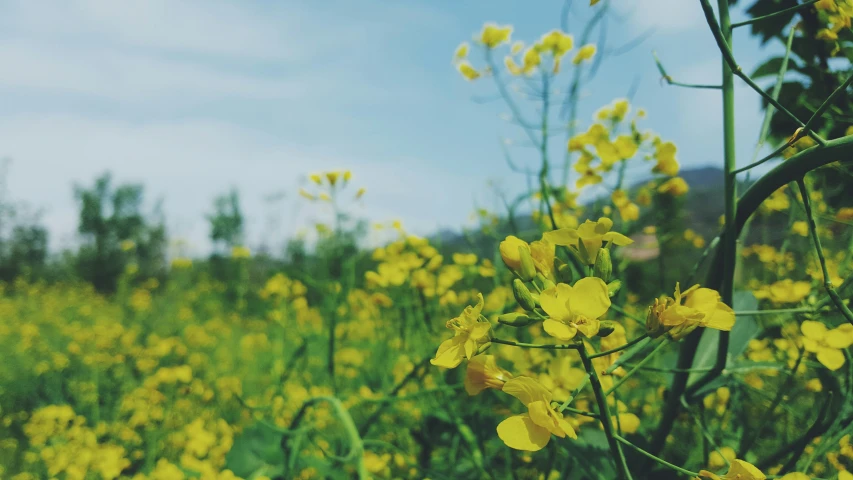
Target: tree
114	230
226	222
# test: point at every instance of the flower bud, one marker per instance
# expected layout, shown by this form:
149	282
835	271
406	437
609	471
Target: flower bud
613	288
515	319
605	328
523	295
653	324
546	282
564	271
510	249
527	271
603	265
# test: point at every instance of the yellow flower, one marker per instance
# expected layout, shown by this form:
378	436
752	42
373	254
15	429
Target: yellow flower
465	259
543	253
738	470
461	52
785	291
702	308
304	193
720	459
588	238
482	373
575	309
494	35
665	156
532	431
316	178
675	186
800	228
360	193
586	52
332	177
827	344
530	60
510	252
556	43
467	71
240	252
471	333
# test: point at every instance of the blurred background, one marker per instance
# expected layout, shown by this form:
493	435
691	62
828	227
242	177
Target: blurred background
190	100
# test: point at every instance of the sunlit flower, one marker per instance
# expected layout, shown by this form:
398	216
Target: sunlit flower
827	344
471	332
575	309
532	431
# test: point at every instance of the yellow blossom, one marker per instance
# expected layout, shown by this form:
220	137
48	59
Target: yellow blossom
586	52
738	470
482	373
675	186
467	71
493	35
575	309
702	307
827	344
588	238
532	431
470	333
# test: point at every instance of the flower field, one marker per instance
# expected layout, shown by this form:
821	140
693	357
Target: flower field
567	336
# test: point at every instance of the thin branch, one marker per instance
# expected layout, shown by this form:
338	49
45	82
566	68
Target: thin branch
827	281
774	14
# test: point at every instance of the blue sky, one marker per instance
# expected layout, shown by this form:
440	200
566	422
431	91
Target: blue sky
191	98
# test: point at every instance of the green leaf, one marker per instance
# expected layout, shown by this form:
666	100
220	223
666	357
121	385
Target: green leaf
257	448
771	67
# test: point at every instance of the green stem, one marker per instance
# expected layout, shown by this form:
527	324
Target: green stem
606	422
774	14
729	239
620	348
772	312
768	112
825	105
571	346
657	459
637	367
670	81
827	282
722	35
621	310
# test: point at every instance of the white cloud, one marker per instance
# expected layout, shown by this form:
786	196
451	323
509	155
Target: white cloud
665	16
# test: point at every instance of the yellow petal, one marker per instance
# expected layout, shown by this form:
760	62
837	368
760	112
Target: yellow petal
589	327
630	423
803	476
520	433
603	225
813	330
742	470
617	239
538	412
559	330
554	300
810	345
838	338
564	236
567	428
723	318
703	299
480	331
527	390
845	475
830	358
450	353
589	298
